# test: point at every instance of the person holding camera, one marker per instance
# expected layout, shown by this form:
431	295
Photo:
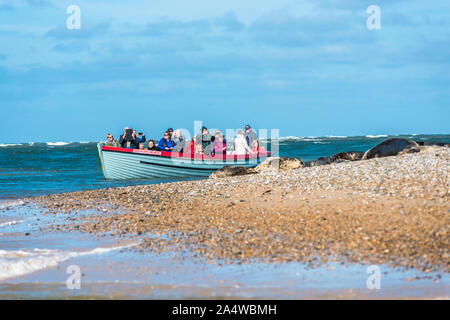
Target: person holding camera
129	139
140	137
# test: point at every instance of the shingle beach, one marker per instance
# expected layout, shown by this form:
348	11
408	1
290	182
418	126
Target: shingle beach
392	210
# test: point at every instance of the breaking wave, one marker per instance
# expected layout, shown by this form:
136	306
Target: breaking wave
376	136
57	143
14	263
9	144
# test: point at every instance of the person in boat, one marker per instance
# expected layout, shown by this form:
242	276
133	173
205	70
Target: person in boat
199	149
128	140
110	142
220	144
151	146
170	131
206	140
140	137
250	135
256	148
240	144
179	140
166	143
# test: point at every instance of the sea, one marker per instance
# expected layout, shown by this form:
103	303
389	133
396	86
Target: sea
39	264
40	168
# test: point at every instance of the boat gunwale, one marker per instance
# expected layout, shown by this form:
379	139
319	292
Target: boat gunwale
176	155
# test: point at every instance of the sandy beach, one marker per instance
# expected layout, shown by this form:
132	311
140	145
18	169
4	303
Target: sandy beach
392	211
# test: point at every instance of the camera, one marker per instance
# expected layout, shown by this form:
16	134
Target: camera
128	135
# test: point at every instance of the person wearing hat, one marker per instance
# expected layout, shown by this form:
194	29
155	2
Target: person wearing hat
170	131
250	135
206	140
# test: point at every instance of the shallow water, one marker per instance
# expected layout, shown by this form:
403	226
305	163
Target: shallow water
34	264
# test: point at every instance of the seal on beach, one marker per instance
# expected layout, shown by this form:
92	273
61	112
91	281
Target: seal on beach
438	144
392	147
338	157
230	171
280	163
318	162
348	155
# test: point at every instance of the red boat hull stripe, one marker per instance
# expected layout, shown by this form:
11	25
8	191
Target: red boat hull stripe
187	156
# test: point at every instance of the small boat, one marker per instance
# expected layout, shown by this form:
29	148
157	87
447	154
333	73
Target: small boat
122	163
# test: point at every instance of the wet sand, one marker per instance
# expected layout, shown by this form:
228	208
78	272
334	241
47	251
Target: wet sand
130	273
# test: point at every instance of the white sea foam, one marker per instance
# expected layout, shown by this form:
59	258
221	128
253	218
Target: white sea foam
376	136
10	203
14	263
289	138
294	138
9	144
10	223
57	143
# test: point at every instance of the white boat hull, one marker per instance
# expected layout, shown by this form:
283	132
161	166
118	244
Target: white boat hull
119	163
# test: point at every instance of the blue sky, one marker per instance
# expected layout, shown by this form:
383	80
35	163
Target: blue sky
308	68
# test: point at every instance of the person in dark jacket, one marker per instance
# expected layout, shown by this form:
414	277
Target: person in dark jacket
166	143
151	146
207	141
250	135
130	143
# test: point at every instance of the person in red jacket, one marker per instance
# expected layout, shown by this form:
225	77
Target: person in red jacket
190	148
256	148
